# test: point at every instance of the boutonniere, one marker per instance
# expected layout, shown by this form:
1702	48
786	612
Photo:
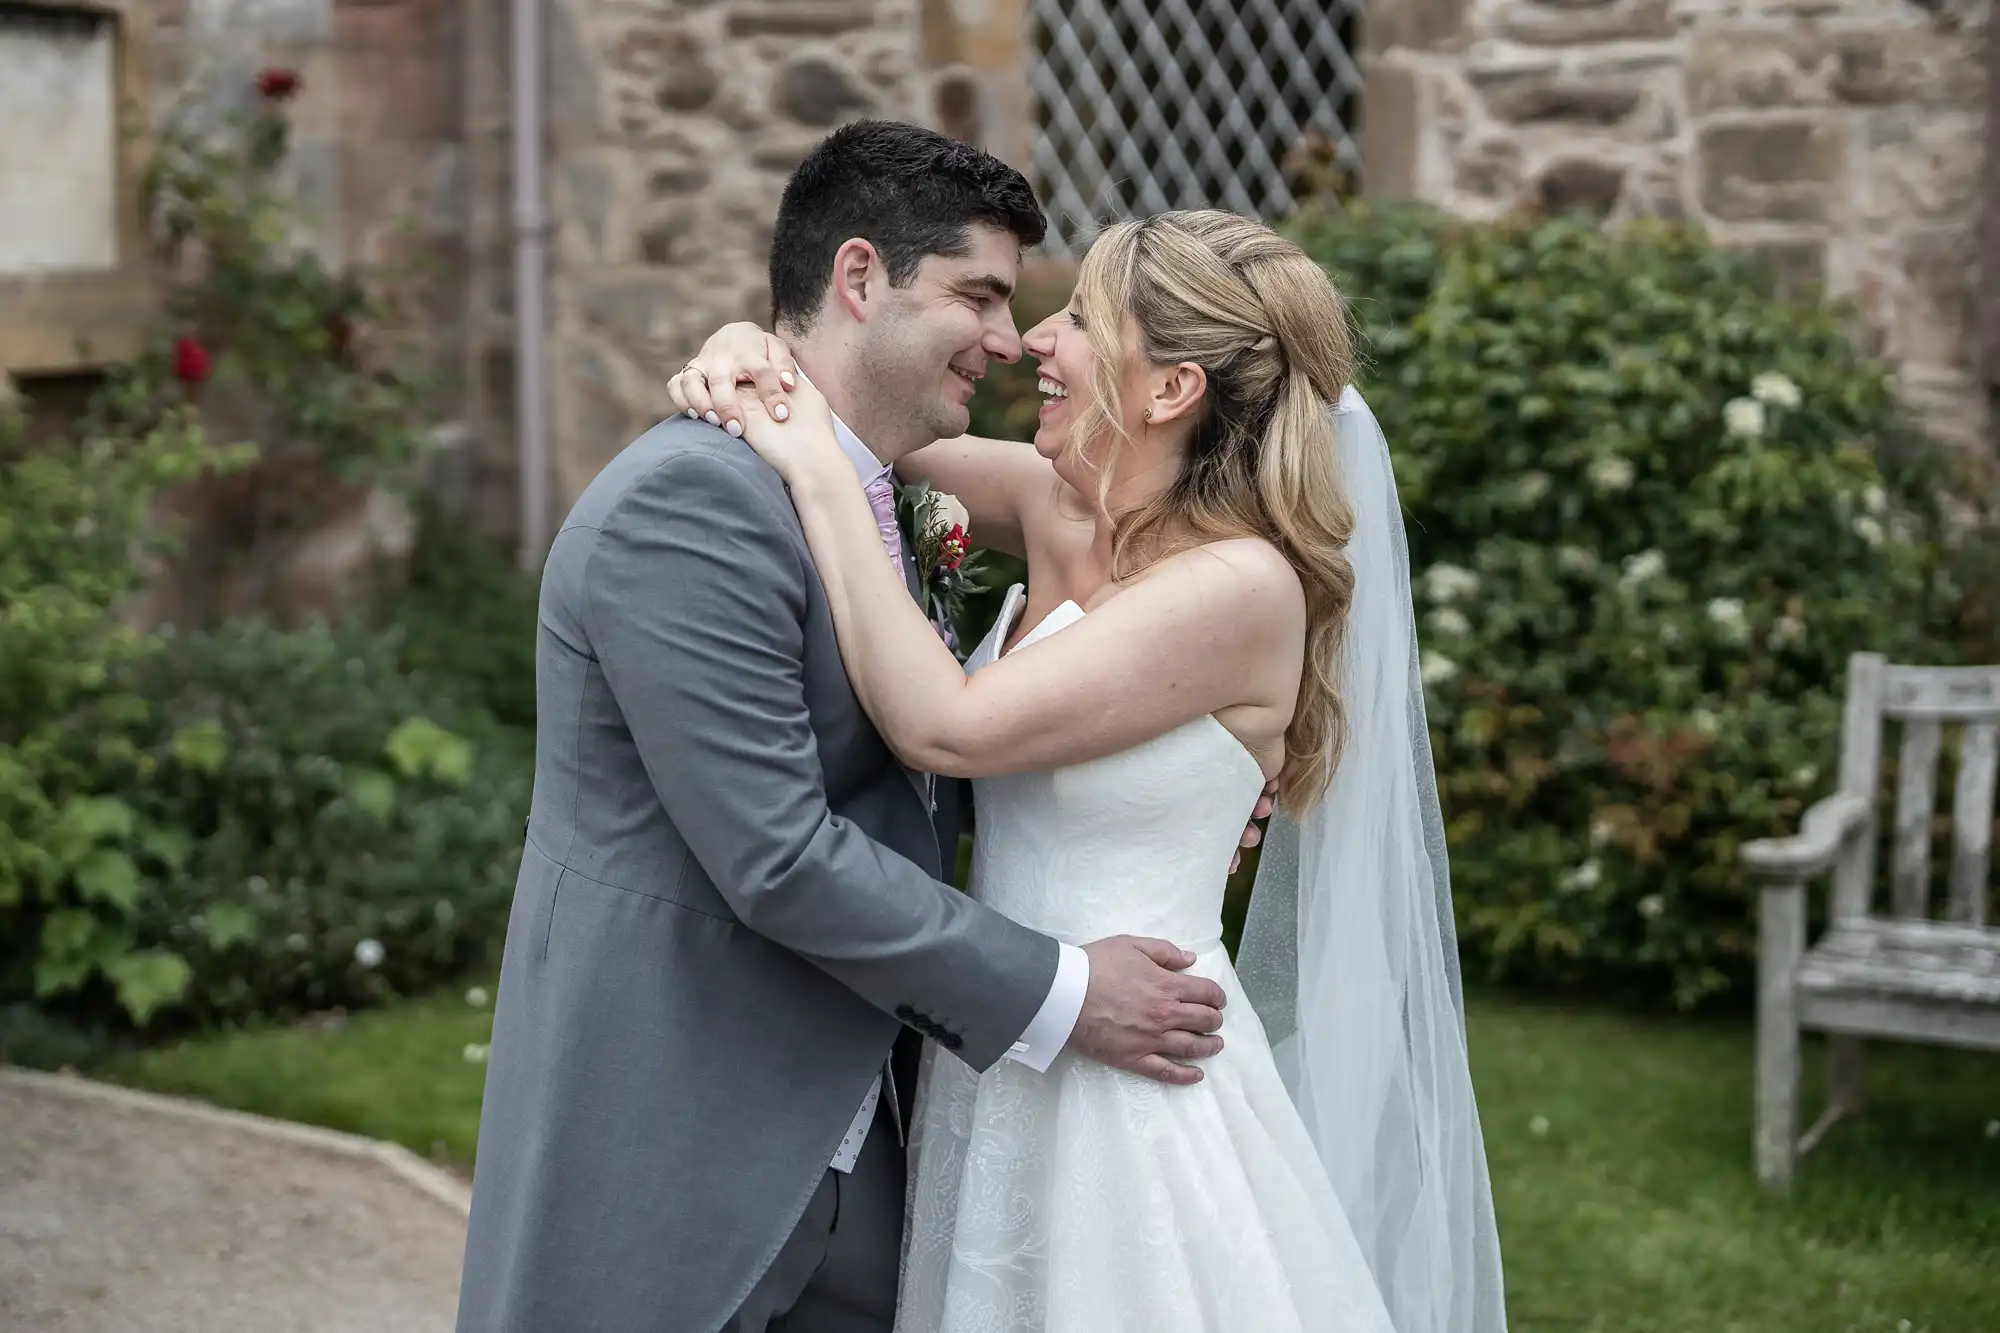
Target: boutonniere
936	527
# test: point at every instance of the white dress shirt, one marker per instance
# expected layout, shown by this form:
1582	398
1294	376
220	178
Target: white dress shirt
1049	1030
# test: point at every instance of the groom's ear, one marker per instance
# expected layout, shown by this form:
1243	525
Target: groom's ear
858	275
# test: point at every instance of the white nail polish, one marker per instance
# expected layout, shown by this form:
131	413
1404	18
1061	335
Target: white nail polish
733	428
785	378
712	419
781	412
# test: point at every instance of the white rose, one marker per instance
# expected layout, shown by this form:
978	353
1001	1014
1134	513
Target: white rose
1530	489
1874	499
1448	583
1450	623
1651	906
1576	559
951	512
1608	476
1438	668
475	1053
1726	614
1642	567
1776	390
1585	876
477	997
1706	722
1744	417
1789	629
370	953
1868	530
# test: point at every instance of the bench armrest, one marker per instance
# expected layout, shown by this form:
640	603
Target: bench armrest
1823	834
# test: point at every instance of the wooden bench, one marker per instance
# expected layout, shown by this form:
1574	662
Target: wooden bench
1904	976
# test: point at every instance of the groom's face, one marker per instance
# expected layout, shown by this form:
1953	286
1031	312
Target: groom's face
926	348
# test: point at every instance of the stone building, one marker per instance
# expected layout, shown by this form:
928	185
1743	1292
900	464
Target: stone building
1845	139
1842	138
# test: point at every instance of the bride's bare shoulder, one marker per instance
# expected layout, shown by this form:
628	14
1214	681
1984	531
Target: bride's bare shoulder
1243	589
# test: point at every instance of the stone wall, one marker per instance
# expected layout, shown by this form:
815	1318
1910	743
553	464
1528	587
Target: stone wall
1841	138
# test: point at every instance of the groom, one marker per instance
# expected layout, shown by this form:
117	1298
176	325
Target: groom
730	934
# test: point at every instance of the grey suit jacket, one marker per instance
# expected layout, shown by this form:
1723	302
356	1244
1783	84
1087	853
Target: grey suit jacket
728	902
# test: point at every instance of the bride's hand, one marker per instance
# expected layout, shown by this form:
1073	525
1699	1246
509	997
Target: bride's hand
801	444
707	387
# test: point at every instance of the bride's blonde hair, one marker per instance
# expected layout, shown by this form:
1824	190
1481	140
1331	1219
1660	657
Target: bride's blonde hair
1271	334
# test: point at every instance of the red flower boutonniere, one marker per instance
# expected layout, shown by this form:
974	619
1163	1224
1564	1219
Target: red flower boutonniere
936	528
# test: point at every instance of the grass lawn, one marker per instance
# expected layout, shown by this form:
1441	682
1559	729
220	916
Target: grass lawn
1620	1149
398	1073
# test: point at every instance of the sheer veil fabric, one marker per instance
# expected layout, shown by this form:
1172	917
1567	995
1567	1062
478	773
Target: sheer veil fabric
1350	954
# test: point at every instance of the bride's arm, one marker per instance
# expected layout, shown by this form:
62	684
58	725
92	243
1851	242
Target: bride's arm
1198	635
998	481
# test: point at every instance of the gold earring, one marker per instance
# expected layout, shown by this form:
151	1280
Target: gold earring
1147	415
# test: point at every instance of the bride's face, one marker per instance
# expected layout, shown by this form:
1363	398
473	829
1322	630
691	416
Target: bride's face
1065	364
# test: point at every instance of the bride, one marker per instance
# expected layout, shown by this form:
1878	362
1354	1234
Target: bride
1218	599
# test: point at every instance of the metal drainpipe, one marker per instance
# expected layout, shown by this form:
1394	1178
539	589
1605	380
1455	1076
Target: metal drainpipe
530	237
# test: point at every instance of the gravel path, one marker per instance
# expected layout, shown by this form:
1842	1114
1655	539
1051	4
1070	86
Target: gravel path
120	1211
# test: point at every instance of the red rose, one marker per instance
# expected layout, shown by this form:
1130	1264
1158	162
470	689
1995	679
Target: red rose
191	363
277	84
951	551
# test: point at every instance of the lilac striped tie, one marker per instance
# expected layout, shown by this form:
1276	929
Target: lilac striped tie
881	494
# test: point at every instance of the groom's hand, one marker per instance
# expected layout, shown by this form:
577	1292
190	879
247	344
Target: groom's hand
1141	1015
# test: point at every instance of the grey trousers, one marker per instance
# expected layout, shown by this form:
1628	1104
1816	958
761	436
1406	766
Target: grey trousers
838	1272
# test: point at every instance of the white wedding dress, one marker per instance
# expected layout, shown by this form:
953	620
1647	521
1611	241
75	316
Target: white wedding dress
1085	1199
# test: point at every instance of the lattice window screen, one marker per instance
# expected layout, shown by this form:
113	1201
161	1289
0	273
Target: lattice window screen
1147	105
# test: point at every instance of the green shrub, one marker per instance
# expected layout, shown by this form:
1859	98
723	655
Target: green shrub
343	829
76	525
1652	509
466	615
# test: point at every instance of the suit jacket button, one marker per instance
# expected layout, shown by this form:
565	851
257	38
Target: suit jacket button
904	1012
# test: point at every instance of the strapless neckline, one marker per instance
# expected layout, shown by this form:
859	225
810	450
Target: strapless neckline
1011	608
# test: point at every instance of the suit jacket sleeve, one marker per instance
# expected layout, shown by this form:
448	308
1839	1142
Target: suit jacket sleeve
695	600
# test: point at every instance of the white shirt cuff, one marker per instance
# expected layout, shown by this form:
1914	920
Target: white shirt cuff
1050	1029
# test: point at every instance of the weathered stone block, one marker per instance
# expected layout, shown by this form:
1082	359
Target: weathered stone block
1731	67
1580	185
816	91
801	18
1625	21
1528	99
1490	169
1775	171
1431	25
1392	133
1919	167
1798	267
677	60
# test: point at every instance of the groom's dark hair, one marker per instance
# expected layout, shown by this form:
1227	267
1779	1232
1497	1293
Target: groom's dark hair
906	190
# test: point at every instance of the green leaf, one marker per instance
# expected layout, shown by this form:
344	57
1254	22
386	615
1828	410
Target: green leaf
108	875
148	979
75	944
169	845
88	820
373	793
226	924
421	748
202	747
